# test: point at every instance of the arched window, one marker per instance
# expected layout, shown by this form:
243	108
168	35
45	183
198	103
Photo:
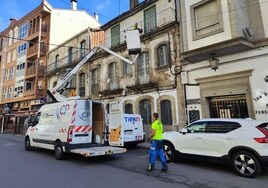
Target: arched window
145	111
82	84
129	108
166	114
162	54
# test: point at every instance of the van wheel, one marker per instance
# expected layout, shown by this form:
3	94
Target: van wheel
27	144
59	153
246	164
169	152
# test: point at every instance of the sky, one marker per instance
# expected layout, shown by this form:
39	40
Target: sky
106	9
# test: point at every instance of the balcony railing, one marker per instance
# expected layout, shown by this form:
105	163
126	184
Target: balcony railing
67	60
34	49
32	70
35	30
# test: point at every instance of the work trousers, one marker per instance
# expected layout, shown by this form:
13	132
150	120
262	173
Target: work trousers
157	149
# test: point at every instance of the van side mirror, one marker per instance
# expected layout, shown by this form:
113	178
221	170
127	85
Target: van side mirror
184	131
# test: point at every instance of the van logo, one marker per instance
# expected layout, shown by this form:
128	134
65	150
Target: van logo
64	109
84	116
132	119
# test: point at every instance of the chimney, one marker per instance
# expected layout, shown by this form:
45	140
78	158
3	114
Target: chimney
74	4
96	16
133	3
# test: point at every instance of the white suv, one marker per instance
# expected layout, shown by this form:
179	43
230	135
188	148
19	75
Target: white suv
243	143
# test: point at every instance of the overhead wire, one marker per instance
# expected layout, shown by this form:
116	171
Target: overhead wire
136	20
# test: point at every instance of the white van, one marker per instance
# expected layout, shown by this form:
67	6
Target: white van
76	126
133	129
132	124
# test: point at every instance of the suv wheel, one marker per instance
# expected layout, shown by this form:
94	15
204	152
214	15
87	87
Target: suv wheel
169	151
27	144
246	164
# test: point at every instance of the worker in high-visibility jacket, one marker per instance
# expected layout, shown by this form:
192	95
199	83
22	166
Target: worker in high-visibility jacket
157	144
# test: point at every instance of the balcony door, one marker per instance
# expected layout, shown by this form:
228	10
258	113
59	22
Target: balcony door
143	68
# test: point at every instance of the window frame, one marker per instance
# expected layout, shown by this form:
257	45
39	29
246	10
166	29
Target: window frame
195	30
146	115
82	84
150	21
115	35
166	54
166	112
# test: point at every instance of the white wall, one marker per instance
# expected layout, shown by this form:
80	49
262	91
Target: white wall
223	36
67	23
255	59
264	12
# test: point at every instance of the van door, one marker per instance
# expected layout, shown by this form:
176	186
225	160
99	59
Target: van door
116	124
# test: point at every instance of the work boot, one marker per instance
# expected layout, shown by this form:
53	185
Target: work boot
164	169
150	167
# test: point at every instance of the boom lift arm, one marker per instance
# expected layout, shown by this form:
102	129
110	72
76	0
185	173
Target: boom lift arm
55	93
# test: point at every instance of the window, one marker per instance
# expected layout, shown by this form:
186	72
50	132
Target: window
143	68
10	38
129	109
145	111
111	73
115	35
82	85
11	74
10	92
221	127
1	44
16	31
82	48
198	127
70	55
6	74
149	19
5	93
166	114
22	50
54	84
28	86
207	18
162	54
126	68
23	31
94	81
57	60
9	57
14	54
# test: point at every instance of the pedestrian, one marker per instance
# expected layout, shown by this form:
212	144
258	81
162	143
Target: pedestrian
156	144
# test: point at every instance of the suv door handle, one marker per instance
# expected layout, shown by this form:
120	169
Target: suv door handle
229	139
199	138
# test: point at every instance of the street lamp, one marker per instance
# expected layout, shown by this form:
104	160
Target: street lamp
214	63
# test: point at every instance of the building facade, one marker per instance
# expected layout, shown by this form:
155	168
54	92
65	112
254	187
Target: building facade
151	83
23	57
224	57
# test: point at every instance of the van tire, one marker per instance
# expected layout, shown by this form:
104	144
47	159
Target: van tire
59	153
27	144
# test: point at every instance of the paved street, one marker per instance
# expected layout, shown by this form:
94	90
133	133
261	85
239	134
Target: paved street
39	168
